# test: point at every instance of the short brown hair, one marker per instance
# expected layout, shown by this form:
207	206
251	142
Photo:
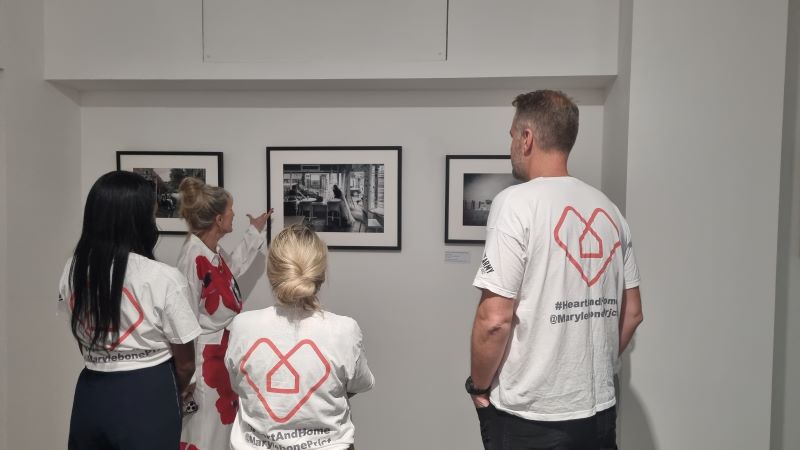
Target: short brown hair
552	116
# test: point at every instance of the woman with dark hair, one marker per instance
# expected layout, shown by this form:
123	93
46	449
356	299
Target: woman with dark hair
131	318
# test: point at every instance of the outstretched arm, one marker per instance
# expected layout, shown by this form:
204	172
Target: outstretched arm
254	240
261	221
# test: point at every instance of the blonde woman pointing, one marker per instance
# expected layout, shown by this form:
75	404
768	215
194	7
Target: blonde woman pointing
293	365
216	300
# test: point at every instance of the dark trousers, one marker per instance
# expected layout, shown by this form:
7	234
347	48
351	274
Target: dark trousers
503	431
131	410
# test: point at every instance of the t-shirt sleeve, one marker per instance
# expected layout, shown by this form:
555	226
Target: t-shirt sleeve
178	319
231	358
63	309
629	260
186	267
504	256
362	379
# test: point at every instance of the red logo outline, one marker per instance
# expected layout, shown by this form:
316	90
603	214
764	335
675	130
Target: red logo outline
284	359
587	229
595	255
128	331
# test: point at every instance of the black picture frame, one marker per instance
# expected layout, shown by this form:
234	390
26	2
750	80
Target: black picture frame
366	215
149	163
460	226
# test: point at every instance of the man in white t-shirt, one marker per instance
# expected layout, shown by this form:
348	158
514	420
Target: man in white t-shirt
560	298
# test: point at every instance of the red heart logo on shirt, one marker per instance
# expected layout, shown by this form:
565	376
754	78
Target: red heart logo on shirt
590	246
289	379
128	331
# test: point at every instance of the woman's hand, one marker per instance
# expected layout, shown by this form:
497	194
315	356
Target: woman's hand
261	221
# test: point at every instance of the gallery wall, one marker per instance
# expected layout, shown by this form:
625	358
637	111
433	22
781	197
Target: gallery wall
42	186
704	153
414	308
3	248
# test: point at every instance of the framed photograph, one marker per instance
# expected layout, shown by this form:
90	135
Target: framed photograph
166	170
349	195
472	181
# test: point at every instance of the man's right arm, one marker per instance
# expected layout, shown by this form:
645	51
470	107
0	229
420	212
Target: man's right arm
630	316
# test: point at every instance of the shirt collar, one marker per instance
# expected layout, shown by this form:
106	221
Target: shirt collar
203	249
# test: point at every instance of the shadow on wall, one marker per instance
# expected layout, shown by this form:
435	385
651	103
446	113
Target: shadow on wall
250	279
635	433
782	433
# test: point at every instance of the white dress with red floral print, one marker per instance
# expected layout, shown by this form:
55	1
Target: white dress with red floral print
216	301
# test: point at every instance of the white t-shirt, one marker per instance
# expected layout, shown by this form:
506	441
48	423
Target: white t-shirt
292	371
154	313
563	251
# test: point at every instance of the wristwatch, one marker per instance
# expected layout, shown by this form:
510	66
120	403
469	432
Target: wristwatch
472	390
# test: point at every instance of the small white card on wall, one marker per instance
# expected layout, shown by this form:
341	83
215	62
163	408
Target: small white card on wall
457	257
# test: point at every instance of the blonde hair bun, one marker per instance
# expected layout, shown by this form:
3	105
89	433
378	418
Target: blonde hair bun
296	266
191	190
201	203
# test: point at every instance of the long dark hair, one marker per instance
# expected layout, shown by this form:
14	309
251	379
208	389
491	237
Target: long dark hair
119	218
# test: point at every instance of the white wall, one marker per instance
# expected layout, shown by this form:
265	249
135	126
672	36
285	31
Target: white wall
3	247
615	154
153	39
704	146
786	391
275	31
415	310
615	114
520	36
42	142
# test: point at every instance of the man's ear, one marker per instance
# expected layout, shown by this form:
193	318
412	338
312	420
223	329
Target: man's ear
527	141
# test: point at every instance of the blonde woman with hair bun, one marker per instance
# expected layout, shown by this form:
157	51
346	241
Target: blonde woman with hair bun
293	365
208	210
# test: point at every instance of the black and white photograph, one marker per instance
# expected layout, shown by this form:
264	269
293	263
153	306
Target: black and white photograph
472	181
479	190
350	195
166	183
334	197
166	170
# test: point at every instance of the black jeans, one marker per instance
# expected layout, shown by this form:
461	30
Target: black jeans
503	431
131	410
